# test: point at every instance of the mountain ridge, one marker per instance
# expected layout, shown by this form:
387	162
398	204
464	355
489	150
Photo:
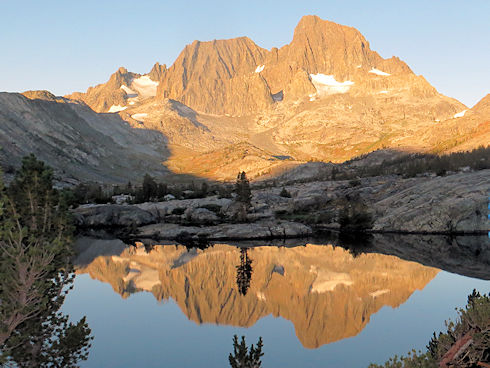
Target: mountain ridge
229	105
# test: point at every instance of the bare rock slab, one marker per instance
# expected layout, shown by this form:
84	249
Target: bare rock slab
257	230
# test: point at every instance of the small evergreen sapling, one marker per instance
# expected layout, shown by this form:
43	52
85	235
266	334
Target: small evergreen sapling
242	357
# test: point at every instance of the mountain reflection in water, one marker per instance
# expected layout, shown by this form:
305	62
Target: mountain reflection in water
326	292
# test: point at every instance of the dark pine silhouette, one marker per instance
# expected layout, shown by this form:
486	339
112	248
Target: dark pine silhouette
242	357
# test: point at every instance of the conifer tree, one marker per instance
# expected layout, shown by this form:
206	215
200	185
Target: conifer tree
242	189
150	188
242	357
36	274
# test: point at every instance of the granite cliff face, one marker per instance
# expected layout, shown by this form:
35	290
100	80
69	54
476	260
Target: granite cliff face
325	292
218	77
237	77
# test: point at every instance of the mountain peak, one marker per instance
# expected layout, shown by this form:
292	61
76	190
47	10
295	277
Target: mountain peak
212	75
313	25
156	73
308	22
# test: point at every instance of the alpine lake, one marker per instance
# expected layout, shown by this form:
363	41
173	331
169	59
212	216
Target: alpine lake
318	302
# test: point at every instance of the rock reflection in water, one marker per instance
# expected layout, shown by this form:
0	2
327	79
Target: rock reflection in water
323	290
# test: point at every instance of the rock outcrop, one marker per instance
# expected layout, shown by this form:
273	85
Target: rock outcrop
162	209
452	204
271	229
456	203
113	215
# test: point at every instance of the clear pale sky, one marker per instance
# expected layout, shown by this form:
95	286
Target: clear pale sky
65	46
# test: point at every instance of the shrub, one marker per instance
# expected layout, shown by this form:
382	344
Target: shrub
472	327
178	211
284	193
355	183
354	216
212	207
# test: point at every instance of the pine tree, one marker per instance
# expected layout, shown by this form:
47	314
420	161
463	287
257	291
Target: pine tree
150	187
242	357
129	188
36	273
242	189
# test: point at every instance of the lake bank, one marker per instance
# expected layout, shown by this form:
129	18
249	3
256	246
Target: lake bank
452	204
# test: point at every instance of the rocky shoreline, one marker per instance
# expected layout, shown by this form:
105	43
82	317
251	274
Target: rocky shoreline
452	204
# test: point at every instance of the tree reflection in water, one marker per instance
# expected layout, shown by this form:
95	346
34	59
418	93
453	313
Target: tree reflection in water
244	272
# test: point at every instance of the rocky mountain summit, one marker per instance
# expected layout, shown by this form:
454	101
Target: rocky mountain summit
123	88
229	105
324	96
323	58
237	77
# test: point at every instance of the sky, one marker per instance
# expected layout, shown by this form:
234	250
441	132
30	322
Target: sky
65	46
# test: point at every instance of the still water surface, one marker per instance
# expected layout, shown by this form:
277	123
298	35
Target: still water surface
313	305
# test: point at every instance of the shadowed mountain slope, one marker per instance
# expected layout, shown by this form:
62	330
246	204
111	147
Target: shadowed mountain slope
76	141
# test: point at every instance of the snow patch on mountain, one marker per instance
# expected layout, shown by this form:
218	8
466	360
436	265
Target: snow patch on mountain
378	72
460	114
117	108
328	85
140	116
259	68
145	86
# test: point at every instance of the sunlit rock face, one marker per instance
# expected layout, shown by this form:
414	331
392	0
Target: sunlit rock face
324	291
230	105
